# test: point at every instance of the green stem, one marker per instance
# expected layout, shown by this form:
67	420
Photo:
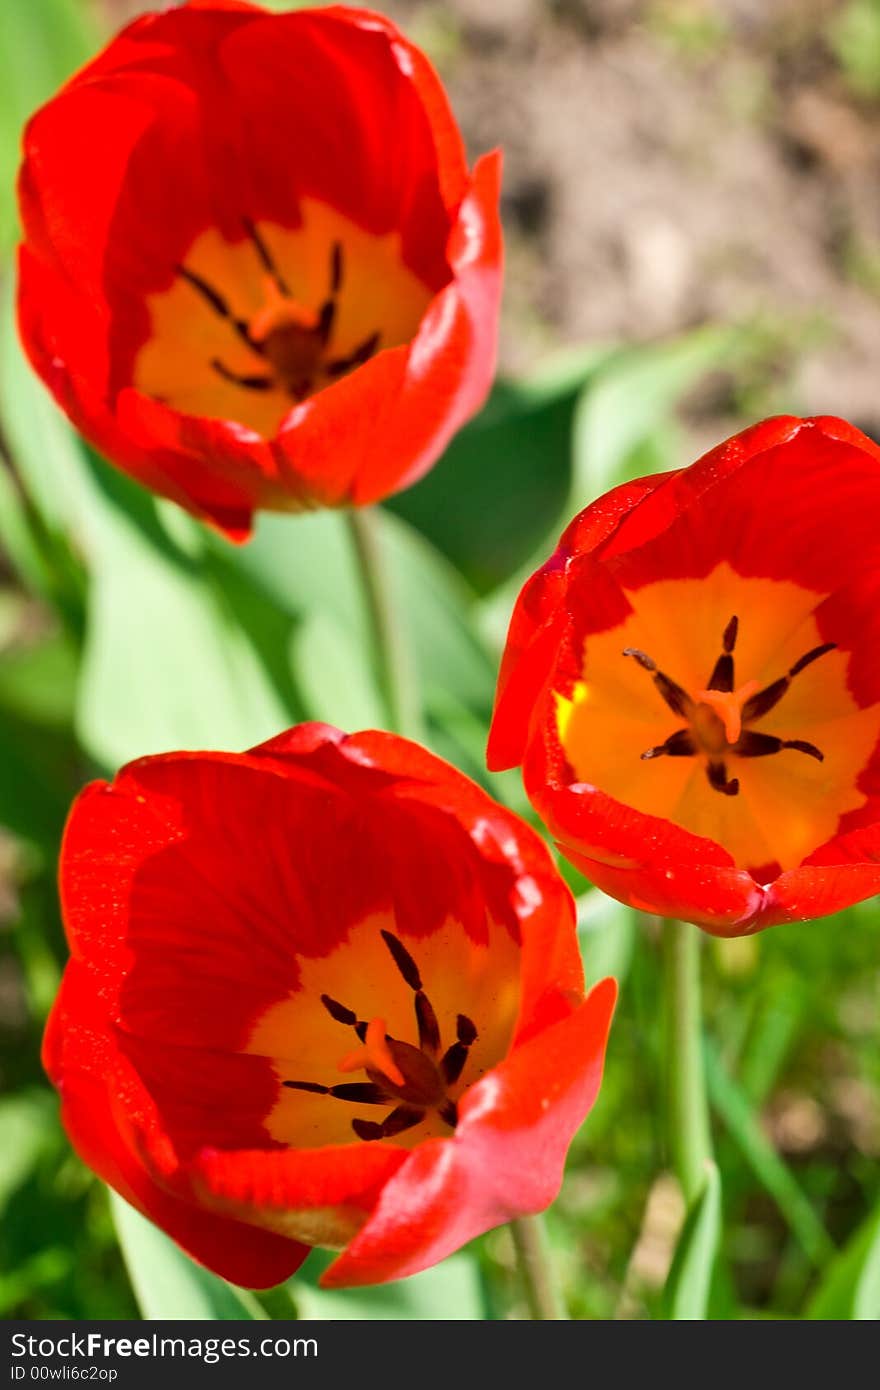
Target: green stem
391	657
535	1269
689	1131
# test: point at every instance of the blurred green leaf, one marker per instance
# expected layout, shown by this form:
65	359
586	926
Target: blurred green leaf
850	1286
41	43
334	689
633	400
451	1291
27	1124
607	932
771	1171
503	481
686	1294
167	1284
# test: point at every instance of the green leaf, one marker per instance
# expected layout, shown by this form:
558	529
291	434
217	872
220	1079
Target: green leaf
166	1282
503	481
41	43
333	688
633	400
770	1170
850	1287
27	1124
686	1294
451	1291
607	932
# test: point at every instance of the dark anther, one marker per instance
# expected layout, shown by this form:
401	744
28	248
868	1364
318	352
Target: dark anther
722	672
641	657
361	354
404	1117
265	255
336	268
358	1092
219	305
367	1129
448	1112
250	383
678	745
466	1030
769	697
717	775
429	1028
678	700
403	960
755	745
341	1014
811	656
338	1011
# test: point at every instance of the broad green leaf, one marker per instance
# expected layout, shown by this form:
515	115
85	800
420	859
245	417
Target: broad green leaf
41	43
850	1286
607	932
632	400
770	1170
164	665
166	1282
686	1294
451	1291
27	1124
503	481
333	687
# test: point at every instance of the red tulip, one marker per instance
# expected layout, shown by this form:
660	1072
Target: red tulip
692	683
256	272
323	993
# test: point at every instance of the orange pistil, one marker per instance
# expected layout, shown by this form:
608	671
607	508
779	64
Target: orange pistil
375	1055
728	705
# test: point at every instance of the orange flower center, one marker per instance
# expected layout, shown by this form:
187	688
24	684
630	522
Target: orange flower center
412	1080
663	721
249	328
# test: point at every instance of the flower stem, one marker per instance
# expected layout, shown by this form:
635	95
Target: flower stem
535	1269
391	657
689	1131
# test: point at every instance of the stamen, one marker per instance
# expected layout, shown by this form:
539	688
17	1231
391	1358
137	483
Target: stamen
361	354
250	383
454	1057
678	745
448	1112
341	1014
403	960
429	1028
769	697
358	1092
722	674
218	304
336	268
404	1117
757	745
717	775
375	1054
265	255
678	700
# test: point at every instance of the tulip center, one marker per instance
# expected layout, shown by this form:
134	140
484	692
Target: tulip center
409	1080
750	732
718	717
253	327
